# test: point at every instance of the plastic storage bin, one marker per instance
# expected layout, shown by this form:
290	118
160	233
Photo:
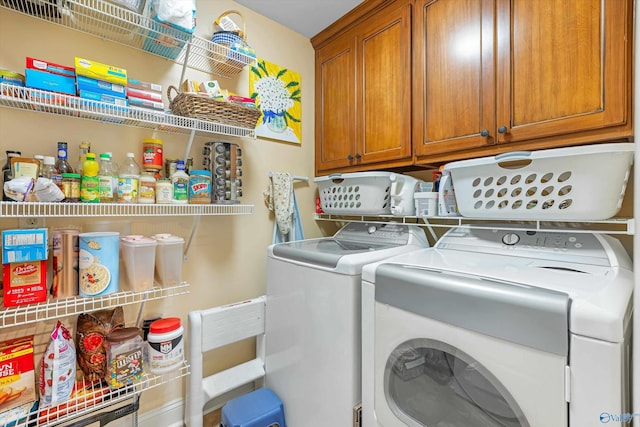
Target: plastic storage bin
168	263
138	256
359	193
577	183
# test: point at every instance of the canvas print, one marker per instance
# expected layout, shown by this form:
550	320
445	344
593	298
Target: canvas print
277	93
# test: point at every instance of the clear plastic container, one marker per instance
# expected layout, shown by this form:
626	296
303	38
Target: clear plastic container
108	176
169	256
129	180
125	357
138	255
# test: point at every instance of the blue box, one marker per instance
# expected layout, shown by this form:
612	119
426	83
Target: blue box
38	79
100	86
21	245
120	101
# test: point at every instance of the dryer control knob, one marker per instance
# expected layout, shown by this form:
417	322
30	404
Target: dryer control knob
371	229
510	239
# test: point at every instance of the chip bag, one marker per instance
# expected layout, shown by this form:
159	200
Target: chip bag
58	367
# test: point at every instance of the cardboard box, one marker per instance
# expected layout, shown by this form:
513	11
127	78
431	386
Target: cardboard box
38	79
17	379
24	283
145	103
21	245
99	71
100	97
50	67
144	94
142	85
100	86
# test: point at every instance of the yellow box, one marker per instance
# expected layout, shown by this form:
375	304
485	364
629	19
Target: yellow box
97	70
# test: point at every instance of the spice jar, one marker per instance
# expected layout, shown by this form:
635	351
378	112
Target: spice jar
71	187
125	358
165	345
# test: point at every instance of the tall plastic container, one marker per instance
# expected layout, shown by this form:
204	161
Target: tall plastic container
138	254
90	182
180	181
169	256
129	180
108	176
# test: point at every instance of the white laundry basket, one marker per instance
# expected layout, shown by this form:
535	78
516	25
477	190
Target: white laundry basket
577	183
359	193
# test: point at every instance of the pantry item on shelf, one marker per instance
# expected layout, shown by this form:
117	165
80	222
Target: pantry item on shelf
58	367
47	191
62	163
152	150
100	71
164	191
203	107
24	282
125	357
233	37
85	394
172	23
91	348
211	88
83	148
71	187
200	186
90	182
13	79
20	190
108	177
180	182
165	345
25	166
44	75
138	260
147	193
17	377
65	263
7	173
98	261
169	256
226	160
24	244
128	180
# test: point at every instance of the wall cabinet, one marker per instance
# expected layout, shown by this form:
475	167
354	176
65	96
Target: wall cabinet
499	75
363	98
487	76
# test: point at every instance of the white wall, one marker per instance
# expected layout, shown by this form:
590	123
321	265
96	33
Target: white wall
227	258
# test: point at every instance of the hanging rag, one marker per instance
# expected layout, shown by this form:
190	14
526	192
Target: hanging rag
280	198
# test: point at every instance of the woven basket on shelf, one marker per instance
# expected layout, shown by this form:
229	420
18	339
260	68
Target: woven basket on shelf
223	41
203	107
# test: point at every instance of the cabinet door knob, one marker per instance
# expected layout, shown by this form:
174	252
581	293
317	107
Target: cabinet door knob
350	157
358	156
502	130
484	133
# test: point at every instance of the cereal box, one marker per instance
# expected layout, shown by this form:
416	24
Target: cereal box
17	379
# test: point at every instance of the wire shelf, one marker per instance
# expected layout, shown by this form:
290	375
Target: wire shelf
60	307
121	25
48	209
611	226
72	106
99	396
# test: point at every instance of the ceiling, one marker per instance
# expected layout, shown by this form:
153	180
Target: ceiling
307	17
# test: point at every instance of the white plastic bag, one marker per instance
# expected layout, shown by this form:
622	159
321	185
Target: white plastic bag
58	368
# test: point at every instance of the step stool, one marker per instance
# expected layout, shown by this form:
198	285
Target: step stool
260	408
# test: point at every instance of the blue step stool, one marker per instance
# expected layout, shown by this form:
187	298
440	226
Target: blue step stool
260	408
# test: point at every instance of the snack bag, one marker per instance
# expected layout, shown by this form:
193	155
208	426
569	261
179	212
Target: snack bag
91	330
58	367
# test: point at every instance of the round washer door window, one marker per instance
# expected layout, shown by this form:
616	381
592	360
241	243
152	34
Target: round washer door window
430	383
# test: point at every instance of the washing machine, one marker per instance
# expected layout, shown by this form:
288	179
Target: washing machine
499	327
312	320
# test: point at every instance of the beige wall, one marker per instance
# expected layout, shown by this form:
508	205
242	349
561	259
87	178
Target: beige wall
226	261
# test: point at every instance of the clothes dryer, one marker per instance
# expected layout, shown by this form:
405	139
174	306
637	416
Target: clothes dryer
313	337
499	327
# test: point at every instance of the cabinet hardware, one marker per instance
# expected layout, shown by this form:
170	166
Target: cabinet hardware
484	133
350	157
502	130
358	156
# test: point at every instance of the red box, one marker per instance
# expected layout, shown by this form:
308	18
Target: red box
24	282
144	94
50	67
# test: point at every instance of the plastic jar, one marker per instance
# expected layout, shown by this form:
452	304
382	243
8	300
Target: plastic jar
165	345
200	186
125	358
164	191
71	187
147	191
152	154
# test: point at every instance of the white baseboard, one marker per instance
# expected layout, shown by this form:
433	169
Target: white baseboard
169	415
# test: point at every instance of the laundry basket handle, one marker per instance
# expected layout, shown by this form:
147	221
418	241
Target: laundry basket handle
513	155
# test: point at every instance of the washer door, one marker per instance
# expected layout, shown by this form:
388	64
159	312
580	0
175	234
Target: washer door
431	383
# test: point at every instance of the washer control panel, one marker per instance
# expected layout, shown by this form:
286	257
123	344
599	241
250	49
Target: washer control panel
382	234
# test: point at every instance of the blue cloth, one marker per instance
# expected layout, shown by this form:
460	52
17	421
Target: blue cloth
296	232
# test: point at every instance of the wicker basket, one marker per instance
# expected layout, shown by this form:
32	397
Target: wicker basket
224	42
203	107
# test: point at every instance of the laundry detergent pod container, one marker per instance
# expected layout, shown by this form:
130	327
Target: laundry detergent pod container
169	256
138	254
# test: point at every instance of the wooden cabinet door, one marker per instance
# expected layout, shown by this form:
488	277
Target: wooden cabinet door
454	96
335	125
563	67
383	70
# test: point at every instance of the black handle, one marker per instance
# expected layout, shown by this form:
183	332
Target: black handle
358	156
484	133
502	130
350	157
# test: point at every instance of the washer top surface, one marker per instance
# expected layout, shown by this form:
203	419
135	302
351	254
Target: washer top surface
353	246
593	270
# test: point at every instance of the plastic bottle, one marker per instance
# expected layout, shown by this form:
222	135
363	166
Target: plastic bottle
108	177
90	182
83	149
40	158
129	180
147	188
49	167
180	182
7	172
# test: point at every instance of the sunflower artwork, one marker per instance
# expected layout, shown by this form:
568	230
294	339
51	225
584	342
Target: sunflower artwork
277	93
